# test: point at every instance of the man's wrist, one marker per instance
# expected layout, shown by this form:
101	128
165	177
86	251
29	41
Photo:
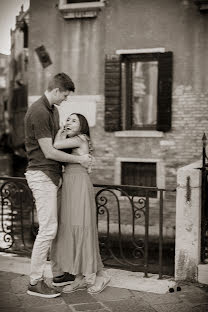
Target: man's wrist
79	160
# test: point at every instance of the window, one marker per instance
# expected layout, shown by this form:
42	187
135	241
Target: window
140	171
138	91
140	174
139	100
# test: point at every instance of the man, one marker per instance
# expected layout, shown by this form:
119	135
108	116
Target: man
44	173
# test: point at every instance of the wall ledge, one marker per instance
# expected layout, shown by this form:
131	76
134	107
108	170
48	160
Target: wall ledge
139	134
80	10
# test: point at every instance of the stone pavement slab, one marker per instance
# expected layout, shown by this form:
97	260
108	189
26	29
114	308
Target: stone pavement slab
200	308
9	300
96	306
12	309
170	307
77	297
129	305
119	278
48	308
112	293
33	301
13	298
157	298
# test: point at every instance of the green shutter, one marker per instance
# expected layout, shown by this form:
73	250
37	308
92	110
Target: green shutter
112	93
164	91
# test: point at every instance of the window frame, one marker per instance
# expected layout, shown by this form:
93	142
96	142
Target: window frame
152	194
160	174
128	59
113	88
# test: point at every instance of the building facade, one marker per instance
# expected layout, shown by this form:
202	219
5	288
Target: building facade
4	60
17	94
141	73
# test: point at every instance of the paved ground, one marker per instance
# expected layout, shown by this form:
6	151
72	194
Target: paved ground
13	298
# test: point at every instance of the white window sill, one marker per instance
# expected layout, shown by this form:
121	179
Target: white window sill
80	10
137	51
140	133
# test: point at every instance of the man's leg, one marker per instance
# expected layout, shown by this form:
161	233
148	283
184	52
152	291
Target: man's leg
45	195
56	270
60	278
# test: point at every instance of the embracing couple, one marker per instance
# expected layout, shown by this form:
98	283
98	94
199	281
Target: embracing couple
59	160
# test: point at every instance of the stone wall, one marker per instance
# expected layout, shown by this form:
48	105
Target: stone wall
188	222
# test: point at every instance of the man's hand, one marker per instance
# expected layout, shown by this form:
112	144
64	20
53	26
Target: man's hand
86	161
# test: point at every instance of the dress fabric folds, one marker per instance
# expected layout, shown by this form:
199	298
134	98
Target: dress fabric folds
75	248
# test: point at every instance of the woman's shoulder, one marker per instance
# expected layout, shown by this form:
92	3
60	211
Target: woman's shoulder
83	137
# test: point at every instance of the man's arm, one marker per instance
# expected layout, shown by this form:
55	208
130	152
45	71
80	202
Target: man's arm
51	153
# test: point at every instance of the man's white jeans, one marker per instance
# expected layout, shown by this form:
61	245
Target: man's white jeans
46	195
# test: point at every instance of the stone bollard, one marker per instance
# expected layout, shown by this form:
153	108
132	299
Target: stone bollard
188	222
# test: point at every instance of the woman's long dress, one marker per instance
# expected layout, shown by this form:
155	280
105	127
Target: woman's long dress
76	248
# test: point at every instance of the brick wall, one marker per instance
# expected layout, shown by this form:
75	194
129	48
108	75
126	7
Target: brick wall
177	148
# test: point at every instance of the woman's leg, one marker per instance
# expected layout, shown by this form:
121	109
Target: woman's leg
101	282
78	284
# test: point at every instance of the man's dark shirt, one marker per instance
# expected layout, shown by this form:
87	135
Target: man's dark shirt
41	121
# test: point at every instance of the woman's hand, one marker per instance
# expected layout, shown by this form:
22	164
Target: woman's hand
62	132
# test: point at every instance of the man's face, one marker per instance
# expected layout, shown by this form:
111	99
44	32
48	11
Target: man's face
60	96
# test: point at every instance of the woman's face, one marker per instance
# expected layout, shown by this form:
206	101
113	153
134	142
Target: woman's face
72	125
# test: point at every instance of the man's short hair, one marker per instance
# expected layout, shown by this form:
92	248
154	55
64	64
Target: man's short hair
61	81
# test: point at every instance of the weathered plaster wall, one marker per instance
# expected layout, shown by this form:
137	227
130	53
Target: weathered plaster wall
74	46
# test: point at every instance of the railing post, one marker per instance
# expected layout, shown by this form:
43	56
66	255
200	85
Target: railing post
146	235
161	234
204	198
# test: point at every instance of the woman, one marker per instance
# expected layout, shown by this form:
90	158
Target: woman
76	248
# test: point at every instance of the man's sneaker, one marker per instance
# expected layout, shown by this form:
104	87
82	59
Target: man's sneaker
41	289
63	280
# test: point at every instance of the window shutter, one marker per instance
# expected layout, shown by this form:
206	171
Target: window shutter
112	93
164	91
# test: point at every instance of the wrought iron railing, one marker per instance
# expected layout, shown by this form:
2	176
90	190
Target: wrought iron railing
16	215
204	203
123	222
137	243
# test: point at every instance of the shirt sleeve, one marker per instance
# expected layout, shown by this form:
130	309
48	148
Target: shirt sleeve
41	125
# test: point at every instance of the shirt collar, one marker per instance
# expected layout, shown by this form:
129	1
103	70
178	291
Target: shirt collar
47	104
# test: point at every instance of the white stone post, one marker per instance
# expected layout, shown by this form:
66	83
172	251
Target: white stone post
188	222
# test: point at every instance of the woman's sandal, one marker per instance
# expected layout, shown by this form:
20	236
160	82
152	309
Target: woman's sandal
93	290
76	285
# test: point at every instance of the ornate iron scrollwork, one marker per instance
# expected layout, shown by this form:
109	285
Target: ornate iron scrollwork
105	198
15	205
204	203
